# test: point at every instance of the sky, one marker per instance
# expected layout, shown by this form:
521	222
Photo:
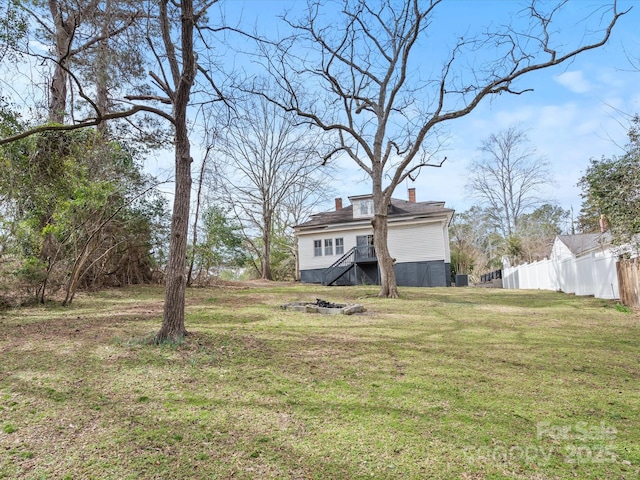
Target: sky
576	111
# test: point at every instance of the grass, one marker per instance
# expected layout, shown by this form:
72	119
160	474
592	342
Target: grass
442	383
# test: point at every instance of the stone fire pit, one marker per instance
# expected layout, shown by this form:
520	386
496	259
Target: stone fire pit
324	307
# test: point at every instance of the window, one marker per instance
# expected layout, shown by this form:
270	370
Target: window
366	207
363	208
317	248
328	246
339	246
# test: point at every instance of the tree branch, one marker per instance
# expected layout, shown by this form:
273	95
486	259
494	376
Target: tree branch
89	122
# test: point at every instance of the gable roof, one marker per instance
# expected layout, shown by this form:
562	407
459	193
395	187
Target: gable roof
586	242
397	210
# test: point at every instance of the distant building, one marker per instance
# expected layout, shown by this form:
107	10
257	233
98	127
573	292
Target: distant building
575	246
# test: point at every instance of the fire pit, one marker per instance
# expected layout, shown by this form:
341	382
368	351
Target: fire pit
324	307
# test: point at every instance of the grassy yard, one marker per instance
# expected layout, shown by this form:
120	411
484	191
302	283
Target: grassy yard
442	383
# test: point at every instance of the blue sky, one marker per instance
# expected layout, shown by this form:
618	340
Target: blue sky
576	111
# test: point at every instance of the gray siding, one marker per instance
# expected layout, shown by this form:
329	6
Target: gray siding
435	273
423	274
312	276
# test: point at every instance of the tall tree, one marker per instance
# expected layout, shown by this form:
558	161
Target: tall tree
271	161
384	94
507	179
174	76
613	185
177	69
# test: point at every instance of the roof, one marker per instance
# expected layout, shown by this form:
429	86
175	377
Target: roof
397	210
586	242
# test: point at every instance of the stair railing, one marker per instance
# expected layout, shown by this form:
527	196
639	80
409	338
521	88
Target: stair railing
337	269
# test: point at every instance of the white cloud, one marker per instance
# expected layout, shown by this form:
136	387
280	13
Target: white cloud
557	118
574	81
39	47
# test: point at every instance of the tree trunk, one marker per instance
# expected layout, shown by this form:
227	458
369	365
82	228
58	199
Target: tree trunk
266	243
381	200
102	87
296	256
192	258
173	328
266	262
58	88
78	265
388	286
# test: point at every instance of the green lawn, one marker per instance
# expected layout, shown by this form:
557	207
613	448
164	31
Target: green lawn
442	383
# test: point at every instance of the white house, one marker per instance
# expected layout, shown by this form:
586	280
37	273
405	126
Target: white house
336	247
574	246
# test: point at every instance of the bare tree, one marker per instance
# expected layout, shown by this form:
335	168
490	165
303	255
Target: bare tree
208	190
272	162
196	214
508	178
379	89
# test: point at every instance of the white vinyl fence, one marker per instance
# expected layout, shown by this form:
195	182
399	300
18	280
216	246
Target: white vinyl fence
588	275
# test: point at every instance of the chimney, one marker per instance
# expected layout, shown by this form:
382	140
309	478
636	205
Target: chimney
338	204
412	195
603	224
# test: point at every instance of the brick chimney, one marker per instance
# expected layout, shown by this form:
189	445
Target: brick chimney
412	195
603	224
338	204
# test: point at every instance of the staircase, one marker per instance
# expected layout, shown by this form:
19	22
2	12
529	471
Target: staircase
359	254
340	267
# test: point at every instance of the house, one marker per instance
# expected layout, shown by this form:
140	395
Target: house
575	246
336	247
